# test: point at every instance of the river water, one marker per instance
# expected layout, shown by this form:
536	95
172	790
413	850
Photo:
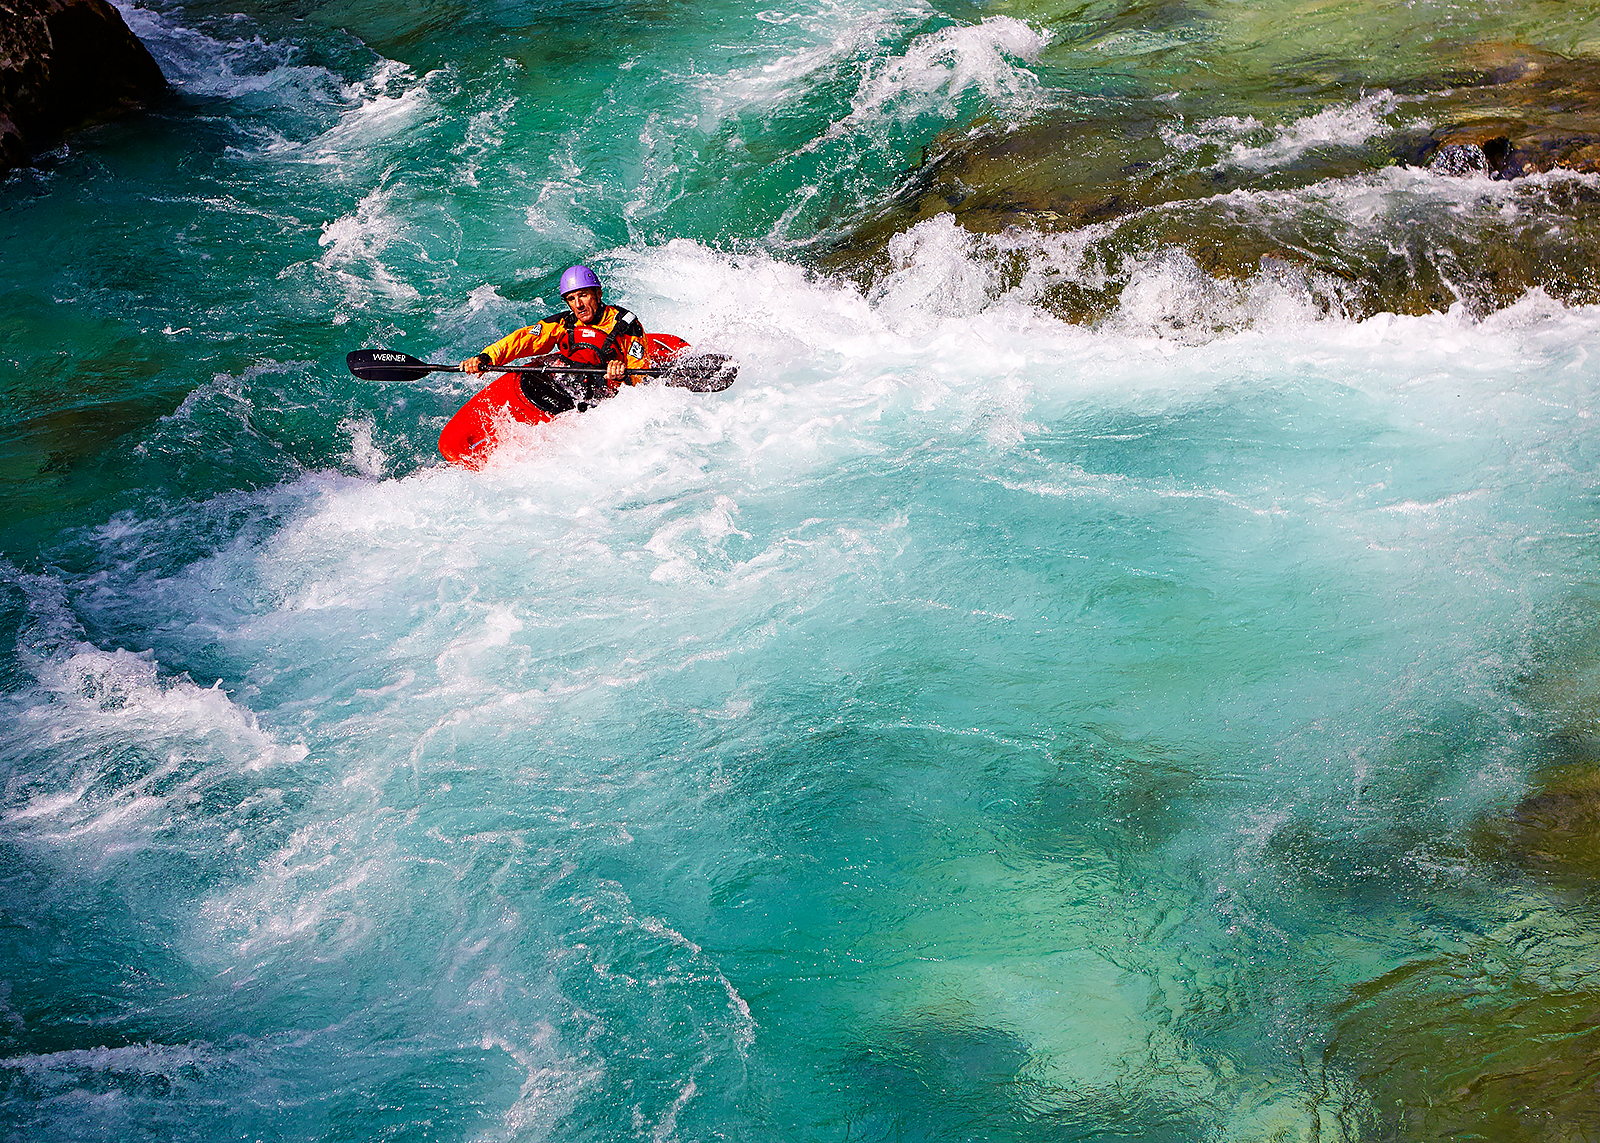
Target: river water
971	725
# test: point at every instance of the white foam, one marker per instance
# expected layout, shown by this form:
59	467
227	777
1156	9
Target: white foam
938	271
655	192
1225	129
147	1059
1170	297
379	109
940	67
1245	142
357	245
485	136
365	456
557	213
818	38
131	751
310	899
547	1092
938	268
1348	125
200	64
256	74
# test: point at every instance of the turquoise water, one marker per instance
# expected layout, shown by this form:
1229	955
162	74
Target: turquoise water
969	726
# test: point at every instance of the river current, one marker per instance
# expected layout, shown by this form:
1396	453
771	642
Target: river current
974	724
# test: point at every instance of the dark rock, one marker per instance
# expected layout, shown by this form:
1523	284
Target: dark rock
1508	149
66	64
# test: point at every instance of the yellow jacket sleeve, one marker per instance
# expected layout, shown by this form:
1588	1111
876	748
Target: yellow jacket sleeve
529	341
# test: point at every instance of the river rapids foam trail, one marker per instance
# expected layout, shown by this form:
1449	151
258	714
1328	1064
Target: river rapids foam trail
971	724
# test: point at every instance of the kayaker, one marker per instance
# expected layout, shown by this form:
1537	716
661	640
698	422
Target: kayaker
590	334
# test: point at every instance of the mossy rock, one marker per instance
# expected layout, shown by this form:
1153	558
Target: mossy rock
1487	1044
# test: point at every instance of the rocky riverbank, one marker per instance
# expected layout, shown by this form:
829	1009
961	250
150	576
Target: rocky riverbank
64	65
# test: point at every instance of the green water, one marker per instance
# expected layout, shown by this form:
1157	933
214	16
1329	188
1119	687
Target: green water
971	725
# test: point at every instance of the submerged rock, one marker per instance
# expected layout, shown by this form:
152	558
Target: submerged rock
1497	1041
66	64
1497	1036
1553	833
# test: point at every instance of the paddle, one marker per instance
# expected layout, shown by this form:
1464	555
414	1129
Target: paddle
703	373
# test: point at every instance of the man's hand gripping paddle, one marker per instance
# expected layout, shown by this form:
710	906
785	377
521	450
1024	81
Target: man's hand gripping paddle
702	373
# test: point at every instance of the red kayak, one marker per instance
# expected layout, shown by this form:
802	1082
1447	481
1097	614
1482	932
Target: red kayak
484	422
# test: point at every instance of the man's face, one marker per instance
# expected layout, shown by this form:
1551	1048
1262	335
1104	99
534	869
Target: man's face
585	304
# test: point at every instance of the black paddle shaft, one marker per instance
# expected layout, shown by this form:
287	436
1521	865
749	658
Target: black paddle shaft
703	373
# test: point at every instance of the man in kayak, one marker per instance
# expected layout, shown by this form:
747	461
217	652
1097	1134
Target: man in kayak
590	334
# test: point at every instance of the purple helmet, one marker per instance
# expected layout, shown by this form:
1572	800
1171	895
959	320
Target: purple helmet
578	278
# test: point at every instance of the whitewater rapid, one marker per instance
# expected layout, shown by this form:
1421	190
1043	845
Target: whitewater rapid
687	653
970	722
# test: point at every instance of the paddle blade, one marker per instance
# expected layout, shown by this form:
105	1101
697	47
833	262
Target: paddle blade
387	365
704	373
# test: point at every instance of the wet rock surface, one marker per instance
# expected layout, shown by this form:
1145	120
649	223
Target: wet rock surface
1554	833
1134	179
1521	112
66	64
